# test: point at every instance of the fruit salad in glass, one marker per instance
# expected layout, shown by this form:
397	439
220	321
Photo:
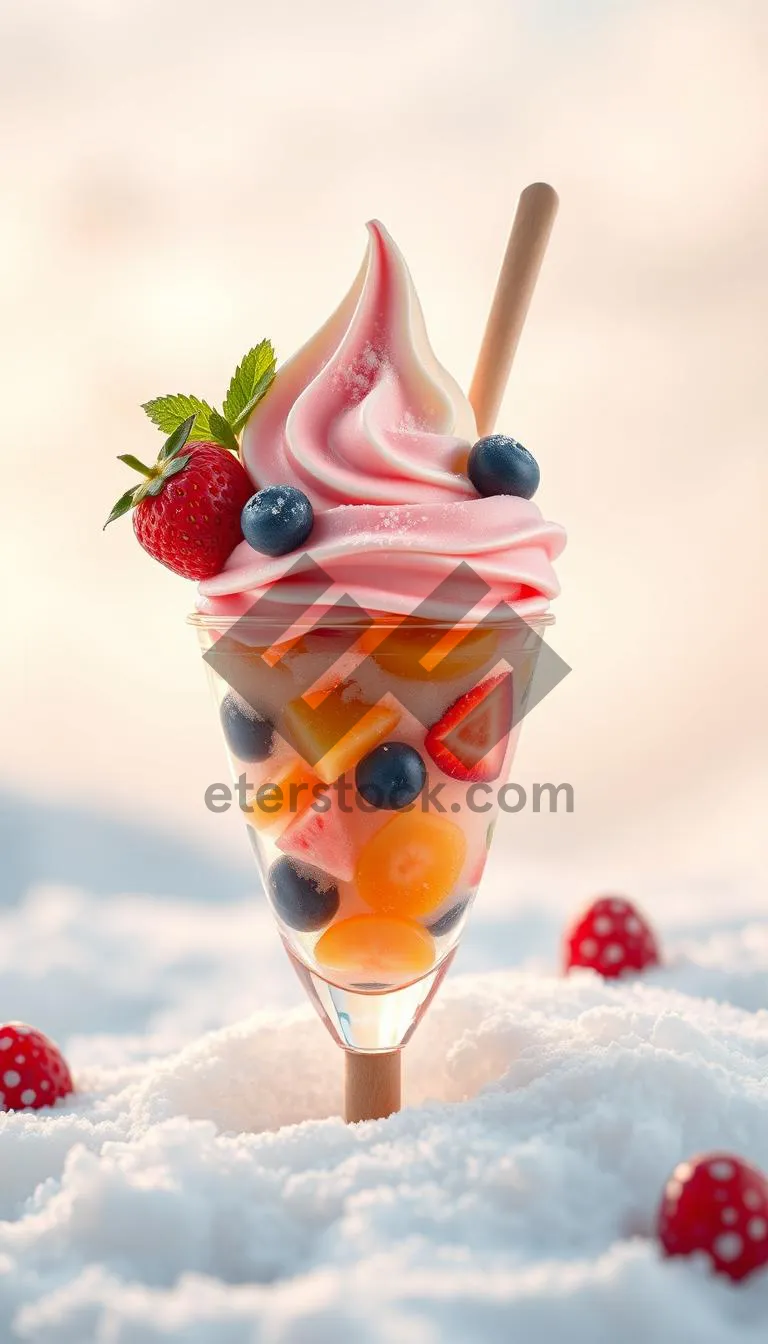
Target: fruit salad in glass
374	583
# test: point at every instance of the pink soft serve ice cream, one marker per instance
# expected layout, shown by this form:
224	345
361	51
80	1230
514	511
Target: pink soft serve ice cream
370	426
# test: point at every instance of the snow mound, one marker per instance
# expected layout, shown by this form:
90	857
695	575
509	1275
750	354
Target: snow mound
210	1194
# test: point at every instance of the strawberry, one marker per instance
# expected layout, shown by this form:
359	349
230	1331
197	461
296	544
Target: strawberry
187	511
611	937
470	741
717	1204
33	1072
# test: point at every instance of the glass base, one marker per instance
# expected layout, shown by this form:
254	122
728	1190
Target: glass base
369	1020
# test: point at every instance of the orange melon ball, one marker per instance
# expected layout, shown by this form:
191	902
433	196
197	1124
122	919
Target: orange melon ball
376	947
411	864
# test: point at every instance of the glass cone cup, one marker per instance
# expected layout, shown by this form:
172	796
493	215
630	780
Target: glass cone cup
370	900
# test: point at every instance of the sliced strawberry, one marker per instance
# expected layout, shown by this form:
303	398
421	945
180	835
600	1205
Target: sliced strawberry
470	741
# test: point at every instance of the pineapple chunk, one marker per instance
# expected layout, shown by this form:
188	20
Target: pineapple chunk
327	734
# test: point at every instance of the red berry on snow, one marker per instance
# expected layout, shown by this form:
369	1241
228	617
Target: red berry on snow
717	1204
33	1072
611	937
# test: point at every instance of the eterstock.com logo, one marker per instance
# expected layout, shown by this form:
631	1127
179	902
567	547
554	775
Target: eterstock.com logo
271	799
350	659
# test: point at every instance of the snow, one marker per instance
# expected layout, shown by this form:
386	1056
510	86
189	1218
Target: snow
201	1187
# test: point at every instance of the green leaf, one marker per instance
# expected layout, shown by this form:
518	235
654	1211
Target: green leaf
178	464
170	412
175	442
143	490
124	503
249	382
262	386
222	432
131	461
173	468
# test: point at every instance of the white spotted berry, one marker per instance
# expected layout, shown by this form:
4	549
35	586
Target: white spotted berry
612	938
39	1075
717	1204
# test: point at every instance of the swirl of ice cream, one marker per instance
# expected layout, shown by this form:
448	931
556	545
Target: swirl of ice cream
367	422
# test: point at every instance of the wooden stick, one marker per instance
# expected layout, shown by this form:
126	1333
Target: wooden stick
527	244
371	1085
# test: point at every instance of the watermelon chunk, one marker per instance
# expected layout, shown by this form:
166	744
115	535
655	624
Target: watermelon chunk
322	839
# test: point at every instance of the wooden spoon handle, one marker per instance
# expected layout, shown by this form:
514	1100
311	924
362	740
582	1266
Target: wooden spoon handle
527	244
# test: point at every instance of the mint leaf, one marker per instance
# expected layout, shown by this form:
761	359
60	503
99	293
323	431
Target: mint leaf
124	503
248	384
222	432
175	442
170	412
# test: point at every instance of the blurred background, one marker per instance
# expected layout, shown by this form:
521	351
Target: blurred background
181	179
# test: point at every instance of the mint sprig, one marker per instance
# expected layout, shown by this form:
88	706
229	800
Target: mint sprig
251	379
248	384
171	411
223	432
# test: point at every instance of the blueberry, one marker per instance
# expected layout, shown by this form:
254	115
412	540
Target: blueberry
249	734
447	922
499	465
391	776
277	519
304	897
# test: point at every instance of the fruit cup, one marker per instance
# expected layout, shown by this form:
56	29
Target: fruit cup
373	749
